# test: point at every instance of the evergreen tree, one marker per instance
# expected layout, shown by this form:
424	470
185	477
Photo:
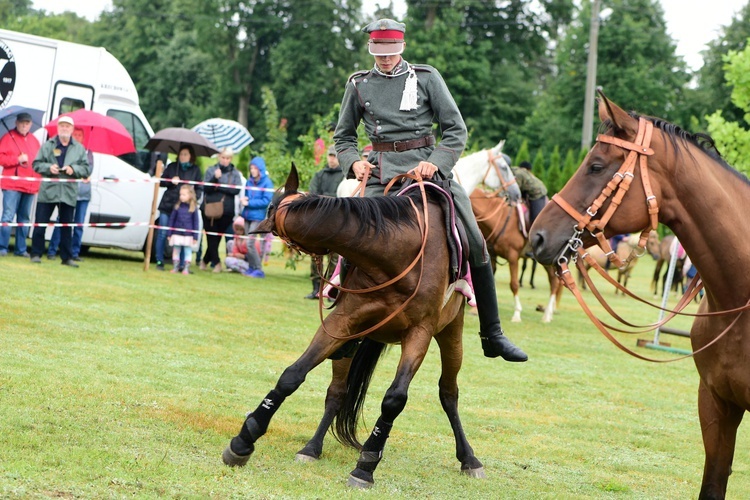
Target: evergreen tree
569	167
538	166
555	161
523	153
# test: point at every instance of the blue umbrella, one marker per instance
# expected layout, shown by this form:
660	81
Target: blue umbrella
224	133
8	118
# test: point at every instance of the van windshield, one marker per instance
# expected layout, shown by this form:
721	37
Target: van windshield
141	158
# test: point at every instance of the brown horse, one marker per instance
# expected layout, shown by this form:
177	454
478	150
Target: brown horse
681	179
498	221
664	256
381	238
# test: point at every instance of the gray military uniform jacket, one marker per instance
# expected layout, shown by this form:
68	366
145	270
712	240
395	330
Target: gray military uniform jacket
375	99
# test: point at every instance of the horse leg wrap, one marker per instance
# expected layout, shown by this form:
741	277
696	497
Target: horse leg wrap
372	451
256	422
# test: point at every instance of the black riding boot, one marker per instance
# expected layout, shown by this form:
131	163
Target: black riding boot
494	341
316	290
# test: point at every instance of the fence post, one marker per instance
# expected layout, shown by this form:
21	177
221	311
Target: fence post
150	237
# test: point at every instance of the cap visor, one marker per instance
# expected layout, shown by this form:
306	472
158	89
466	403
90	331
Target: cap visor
385	49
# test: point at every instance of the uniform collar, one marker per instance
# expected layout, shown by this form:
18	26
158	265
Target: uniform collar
401	69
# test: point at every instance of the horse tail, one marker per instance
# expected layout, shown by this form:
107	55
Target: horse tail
357	383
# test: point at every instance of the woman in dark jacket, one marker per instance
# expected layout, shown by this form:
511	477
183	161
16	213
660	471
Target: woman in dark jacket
221	173
184	169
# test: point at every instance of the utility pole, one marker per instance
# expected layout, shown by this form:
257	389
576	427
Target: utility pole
588	104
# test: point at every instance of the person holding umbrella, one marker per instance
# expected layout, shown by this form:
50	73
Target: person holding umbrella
61	157
184	169
18	148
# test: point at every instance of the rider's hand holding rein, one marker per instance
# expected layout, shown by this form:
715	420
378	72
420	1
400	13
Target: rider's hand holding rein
426	169
360	167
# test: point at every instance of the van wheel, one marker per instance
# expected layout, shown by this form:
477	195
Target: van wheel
85	249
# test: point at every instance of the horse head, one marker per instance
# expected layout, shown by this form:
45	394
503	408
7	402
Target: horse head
616	168
499	175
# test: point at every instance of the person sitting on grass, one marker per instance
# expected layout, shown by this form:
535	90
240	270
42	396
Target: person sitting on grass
237	248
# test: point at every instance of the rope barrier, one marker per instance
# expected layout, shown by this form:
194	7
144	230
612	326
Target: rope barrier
124	224
150	180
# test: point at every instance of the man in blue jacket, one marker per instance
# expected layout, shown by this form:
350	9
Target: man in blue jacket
258	193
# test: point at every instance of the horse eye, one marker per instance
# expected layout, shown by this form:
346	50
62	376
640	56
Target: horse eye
595	168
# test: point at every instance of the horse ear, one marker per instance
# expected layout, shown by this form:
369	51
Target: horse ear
265	226
499	146
292	181
620	119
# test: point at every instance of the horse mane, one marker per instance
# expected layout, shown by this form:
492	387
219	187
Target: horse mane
702	141
382	214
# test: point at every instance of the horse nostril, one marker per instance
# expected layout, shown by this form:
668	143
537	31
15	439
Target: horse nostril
537	241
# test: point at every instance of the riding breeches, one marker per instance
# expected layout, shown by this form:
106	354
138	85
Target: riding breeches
477	247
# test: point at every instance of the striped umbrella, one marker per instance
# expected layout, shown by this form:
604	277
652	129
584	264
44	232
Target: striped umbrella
224	133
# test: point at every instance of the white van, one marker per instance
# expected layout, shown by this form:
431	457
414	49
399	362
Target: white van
59	77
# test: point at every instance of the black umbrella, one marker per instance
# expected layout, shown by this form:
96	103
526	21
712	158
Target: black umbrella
169	140
9	114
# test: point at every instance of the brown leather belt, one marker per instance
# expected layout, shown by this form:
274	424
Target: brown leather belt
399	146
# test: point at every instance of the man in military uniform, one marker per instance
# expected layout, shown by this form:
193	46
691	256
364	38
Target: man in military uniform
398	102
531	188
325	182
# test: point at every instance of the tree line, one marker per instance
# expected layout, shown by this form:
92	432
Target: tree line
516	68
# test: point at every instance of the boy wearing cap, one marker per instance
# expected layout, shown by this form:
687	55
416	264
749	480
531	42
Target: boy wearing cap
324	182
398	103
61	157
18	148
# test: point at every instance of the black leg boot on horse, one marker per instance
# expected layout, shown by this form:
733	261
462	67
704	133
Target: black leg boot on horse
494	341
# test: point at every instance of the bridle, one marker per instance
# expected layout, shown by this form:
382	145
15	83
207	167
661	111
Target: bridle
639	151
492	163
616	188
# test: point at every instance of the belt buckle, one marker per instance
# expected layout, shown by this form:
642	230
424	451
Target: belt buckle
395	146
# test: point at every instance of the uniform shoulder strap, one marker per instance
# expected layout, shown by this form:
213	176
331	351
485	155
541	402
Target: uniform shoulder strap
423	67
358	74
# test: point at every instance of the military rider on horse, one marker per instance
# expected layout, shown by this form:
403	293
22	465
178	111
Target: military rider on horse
398	102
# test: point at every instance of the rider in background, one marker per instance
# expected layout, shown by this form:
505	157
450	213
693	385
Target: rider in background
398	103
532	189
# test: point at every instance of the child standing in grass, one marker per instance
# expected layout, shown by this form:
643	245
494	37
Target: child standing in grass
183	228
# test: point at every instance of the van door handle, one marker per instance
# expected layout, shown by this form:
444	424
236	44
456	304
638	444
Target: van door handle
110	177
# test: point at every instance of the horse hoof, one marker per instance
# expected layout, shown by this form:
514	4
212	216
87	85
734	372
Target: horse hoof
301	457
476	473
355	482
232	459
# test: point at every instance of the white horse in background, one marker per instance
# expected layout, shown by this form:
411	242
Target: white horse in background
486	167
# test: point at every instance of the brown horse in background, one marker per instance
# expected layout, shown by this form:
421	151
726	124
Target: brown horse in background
664	256
624	248
682	180
498	220
397	249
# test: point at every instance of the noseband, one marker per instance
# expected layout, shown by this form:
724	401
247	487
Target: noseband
639	151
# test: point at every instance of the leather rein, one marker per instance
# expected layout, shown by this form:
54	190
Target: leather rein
423	222
639	151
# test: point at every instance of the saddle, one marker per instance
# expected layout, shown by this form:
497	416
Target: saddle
457	241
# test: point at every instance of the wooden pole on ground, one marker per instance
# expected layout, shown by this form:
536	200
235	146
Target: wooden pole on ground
150	238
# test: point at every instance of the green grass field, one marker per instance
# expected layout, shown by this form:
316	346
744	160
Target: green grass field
115	382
